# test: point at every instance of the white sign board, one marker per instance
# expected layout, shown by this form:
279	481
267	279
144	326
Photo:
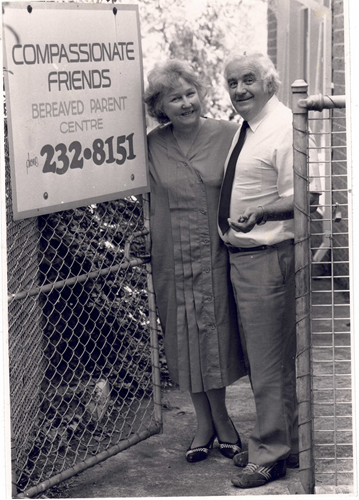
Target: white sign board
74	85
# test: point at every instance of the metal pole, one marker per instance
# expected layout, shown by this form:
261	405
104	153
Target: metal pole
156	376
320	102
90	462
79	279
302	283
13	464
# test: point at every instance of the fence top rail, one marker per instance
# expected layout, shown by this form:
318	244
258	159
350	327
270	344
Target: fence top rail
320	102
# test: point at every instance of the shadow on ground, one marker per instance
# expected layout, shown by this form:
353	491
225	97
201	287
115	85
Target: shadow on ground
157	467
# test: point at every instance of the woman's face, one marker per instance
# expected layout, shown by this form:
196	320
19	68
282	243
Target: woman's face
182	105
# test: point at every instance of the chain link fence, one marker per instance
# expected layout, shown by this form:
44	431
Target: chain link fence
83	351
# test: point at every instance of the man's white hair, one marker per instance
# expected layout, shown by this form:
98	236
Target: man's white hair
266	68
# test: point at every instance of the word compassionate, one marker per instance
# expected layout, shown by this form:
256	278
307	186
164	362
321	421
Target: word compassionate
74	53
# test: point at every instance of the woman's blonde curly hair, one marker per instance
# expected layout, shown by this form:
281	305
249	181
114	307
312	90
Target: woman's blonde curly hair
164	78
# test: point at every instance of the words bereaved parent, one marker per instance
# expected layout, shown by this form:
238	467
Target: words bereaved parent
77	107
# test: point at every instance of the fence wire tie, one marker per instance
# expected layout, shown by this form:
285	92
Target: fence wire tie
302	402
303	375
303	240
306	422
303	350
300	175
306	449
305	132
302	268
331	100
302	152
305	214
302	319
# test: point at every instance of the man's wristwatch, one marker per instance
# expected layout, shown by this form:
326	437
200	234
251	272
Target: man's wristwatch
263	219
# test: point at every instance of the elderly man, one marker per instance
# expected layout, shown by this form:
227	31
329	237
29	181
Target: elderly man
256	222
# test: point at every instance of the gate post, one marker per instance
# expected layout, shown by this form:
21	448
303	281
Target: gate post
302	284
156	376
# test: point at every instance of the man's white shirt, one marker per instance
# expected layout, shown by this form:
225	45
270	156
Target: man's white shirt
264	174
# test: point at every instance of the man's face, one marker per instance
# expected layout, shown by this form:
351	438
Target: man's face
246	89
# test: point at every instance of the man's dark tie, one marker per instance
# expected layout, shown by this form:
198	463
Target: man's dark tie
226	191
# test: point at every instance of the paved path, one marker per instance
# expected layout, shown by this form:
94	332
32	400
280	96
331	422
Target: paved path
157	467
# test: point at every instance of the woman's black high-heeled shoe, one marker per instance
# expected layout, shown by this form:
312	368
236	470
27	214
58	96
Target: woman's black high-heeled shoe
201	452
230	450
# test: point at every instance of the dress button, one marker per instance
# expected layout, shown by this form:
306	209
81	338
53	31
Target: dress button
207	270
203	211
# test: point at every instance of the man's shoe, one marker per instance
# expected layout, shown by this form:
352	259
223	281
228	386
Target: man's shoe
257	475
241	460
293	461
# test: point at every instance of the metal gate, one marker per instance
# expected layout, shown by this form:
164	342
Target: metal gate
83	345
323	258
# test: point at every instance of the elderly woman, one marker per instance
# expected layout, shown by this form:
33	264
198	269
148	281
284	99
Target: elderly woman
189	262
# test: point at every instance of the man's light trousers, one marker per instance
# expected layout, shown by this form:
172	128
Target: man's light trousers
264	285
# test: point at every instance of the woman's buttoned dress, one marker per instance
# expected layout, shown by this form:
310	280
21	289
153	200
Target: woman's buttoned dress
190	264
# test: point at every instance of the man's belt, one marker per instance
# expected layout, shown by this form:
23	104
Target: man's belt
281	244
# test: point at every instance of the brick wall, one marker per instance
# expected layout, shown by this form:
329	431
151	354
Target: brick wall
272	34
339	157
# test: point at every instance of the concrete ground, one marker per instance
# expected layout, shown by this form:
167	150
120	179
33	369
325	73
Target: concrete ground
157	466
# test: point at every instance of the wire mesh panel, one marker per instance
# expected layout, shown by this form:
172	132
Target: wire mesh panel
330	308
328	393
80	337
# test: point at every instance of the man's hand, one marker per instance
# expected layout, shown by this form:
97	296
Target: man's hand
246	222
